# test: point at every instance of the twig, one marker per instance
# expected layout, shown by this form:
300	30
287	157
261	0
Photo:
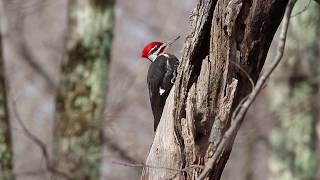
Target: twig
39	143
27	54
237	109
158	167
22	46
117	148
118	107
245	73
234	127
31	172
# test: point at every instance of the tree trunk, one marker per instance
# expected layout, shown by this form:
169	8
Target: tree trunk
32	50
5	138
293	96
80	103
209	84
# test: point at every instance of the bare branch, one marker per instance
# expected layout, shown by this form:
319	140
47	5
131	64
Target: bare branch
117	148
237	121
245	73
39	143
31	172
29	57
159	167
21	44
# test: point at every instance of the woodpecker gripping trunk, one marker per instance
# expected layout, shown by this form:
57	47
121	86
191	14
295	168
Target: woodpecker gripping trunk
161	77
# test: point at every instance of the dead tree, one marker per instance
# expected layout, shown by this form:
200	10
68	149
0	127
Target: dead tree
223	57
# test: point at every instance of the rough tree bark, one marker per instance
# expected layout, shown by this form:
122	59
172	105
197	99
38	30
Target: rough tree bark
226	34
81	99
293	93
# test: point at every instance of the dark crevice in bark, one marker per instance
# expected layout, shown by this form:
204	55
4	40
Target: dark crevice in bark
202	50
198	53
241	27
257	27
241	22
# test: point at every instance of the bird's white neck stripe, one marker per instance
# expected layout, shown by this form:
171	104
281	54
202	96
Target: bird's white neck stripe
154	56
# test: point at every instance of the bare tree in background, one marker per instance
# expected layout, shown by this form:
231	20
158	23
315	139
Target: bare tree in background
5	138
293	93
81	100
32	45
228	43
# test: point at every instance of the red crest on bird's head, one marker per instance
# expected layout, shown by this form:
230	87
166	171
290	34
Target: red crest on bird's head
146	50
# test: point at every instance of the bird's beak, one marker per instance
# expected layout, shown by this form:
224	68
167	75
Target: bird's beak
170	42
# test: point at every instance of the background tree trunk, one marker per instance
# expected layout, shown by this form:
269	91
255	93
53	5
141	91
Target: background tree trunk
32	53
293	93
209	86
5	138
80	103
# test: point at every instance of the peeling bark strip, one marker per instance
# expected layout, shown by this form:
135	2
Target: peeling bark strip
209	86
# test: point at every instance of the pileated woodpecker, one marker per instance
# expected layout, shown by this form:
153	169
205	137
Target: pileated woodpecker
161	75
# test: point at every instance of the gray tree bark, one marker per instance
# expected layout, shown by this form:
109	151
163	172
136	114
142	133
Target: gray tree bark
293	93
209	85
81	100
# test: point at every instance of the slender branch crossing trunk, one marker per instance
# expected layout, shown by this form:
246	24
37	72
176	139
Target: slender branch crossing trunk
225	34
293	93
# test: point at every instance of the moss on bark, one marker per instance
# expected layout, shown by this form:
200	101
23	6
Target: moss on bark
81	100
293	97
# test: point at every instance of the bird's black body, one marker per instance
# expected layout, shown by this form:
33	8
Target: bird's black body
161	76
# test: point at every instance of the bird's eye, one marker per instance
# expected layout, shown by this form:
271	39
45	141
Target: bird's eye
154	49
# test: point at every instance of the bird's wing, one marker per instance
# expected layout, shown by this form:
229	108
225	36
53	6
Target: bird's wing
161	77
169	78
155	81
155	76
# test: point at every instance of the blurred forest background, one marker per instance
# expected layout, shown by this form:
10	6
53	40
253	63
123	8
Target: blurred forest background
74	101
